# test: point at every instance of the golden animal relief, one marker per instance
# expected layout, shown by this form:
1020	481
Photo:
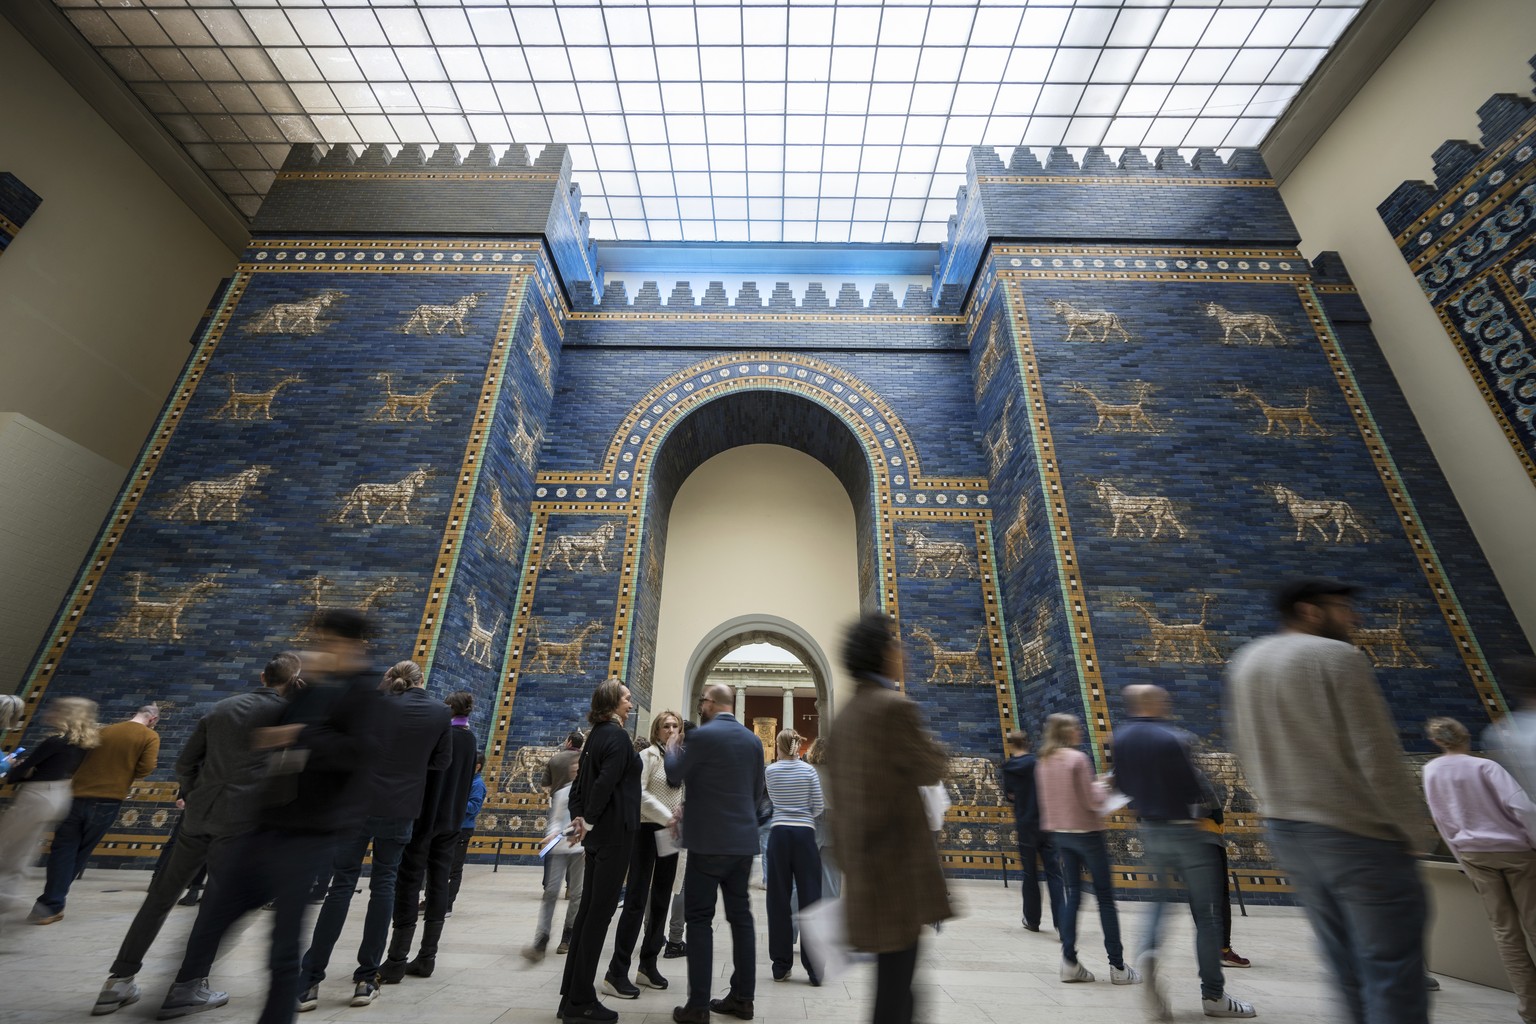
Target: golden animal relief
1186	643
1016	539
218	498
1089	320
429	318
1282	419
295	317
991	359
1316	514
1000	444
1251	327
1032	659
1391	640
973	781
559	656
953	666
538	354
414	405
396	497
1139	510
527	769
244	405
477	646
589	545
502	533
1119	416
156	620
523	443
315	589
935	554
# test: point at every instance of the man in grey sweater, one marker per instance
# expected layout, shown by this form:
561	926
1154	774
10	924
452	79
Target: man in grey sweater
1322	756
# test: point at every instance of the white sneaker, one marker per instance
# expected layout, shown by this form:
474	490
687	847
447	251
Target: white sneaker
1153	998
1226	1006
1071	972
1126	975
115	994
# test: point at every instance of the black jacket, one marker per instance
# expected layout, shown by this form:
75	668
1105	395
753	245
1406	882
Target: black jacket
606	793
1019	787
218	771
725	794
418	743
448	790
324	781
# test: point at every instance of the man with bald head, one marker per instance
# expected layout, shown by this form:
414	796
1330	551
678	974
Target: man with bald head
725	799
1154	768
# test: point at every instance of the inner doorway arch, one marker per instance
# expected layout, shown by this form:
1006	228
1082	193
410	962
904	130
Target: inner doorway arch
755	629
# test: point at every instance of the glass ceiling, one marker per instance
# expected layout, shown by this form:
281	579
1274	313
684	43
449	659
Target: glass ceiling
730	121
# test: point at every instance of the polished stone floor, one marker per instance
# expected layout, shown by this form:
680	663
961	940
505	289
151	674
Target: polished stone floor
982	968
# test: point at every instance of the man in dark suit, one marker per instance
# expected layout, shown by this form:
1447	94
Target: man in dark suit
418	741
1019	788
219	774
725	800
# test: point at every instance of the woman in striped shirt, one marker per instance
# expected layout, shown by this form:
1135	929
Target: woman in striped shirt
795	789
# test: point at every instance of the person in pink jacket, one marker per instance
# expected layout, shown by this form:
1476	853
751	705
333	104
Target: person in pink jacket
1072	811
1486	819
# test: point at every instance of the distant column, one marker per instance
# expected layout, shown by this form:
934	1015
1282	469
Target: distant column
741	706
788	721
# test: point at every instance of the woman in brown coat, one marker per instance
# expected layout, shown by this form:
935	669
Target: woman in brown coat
881	754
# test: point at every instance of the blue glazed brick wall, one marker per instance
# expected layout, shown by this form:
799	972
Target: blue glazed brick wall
17	205
1470	239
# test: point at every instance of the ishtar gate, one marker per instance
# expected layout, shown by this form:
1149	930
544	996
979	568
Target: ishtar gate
1071	444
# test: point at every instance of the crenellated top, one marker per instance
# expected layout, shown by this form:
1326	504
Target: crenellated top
375	194
1133	163
1506	126
1165	199
917	300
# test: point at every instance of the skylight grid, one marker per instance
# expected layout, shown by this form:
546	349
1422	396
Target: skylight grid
728	121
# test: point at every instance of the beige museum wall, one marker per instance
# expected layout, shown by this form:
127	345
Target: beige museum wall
1457	55
757	530
98	296
103	287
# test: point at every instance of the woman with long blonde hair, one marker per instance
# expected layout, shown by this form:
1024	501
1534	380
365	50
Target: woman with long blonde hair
1072	811
651	872
43	792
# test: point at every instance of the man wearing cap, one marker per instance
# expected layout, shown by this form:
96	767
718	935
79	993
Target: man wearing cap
1322	757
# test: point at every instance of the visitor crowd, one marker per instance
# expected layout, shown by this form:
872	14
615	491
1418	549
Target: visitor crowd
286	788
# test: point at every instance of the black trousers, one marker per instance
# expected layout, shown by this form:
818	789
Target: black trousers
456	870
427	862
1039	846
707	875
266	865
1226	904
793	863
605	870
893	986
649	885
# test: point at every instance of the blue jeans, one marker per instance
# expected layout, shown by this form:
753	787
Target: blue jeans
73	840
704	874
389	837
1193	854
1080	850
1367	906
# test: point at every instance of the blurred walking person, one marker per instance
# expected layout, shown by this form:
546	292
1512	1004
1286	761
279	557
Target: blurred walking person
794	789
881	756
1034	845
1321	754
43	790
428	858
648	889
1173	802
1072	810
816	757
414	729
725	800
128	751
1512	739
315	790
1483	815
605	812
220	775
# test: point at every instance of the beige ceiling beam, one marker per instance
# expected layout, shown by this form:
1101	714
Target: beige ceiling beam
1369	40
51	34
